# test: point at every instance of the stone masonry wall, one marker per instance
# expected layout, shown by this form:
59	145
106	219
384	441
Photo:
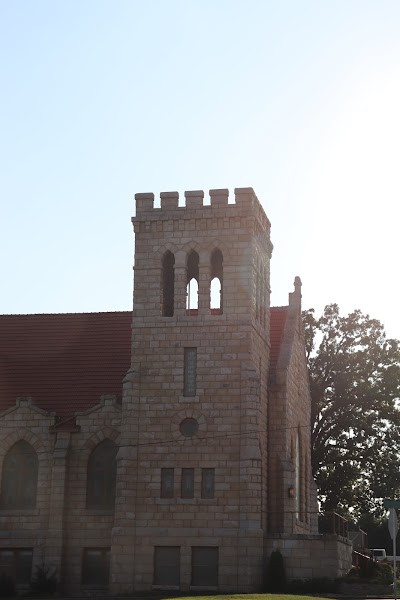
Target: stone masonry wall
60	526
309	556
87	527
290	413
226	405
28	528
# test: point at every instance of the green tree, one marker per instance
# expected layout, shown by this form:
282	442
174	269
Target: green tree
355	388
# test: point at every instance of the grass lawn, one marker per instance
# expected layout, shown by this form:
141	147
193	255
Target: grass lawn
252	597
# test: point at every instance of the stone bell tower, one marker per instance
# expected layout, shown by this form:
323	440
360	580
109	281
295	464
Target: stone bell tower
192	468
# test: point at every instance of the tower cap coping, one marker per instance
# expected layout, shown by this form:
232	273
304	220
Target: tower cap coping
219	192
219	198
169	195
194	193
144	196
245	190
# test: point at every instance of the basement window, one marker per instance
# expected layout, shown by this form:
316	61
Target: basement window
16	563
96	566
204	566
167	566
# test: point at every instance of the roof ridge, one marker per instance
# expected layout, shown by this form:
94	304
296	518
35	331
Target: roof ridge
65	314
279	307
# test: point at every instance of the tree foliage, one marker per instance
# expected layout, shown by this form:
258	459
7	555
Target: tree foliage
355	388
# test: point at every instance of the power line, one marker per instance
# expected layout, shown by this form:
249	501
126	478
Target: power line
183	440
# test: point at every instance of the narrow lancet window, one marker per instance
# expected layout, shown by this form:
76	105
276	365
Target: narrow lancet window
192	284
190	372
192	297
216	287
215	295
298	475
168	285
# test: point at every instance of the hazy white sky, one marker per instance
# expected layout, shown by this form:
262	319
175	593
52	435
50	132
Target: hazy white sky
102	99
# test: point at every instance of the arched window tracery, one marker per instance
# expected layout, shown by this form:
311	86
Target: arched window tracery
19	477
101	476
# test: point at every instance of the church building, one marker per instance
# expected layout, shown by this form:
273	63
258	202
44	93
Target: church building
168	447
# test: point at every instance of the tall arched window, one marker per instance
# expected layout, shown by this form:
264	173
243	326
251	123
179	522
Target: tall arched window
168	285
257	291
101	476
216	286
192	283
298	475
19	477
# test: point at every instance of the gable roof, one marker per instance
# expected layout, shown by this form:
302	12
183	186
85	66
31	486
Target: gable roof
65	362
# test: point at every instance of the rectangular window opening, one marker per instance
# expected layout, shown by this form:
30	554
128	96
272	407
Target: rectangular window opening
96	566
167	483
167	566
187	483
16	563
190	372
205	566
207	483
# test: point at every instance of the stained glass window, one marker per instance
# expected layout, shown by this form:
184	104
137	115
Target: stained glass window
101	476
207	483
19	478
167	483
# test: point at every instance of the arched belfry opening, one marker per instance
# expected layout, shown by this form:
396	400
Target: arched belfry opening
168	285
192	283
216	294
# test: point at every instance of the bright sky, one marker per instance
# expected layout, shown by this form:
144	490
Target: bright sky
104	98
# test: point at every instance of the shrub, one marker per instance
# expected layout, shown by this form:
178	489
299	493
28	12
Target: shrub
7	586
376	572
316	585
44	580
276	575
384	571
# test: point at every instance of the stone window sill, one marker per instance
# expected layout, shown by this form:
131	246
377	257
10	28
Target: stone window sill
99	512
189	398
19	512
203	588
172	588
210	501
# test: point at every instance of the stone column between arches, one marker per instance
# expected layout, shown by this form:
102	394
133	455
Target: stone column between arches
204	282
56	530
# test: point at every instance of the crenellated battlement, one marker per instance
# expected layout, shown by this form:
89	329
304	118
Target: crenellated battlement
244	202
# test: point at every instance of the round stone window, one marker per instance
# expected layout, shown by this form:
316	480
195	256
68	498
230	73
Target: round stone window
189	427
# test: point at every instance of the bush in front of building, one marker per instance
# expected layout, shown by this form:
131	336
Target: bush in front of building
276	574
316	585
44	581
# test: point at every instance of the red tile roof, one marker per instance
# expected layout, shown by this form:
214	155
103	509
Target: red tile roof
65	362
278	320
